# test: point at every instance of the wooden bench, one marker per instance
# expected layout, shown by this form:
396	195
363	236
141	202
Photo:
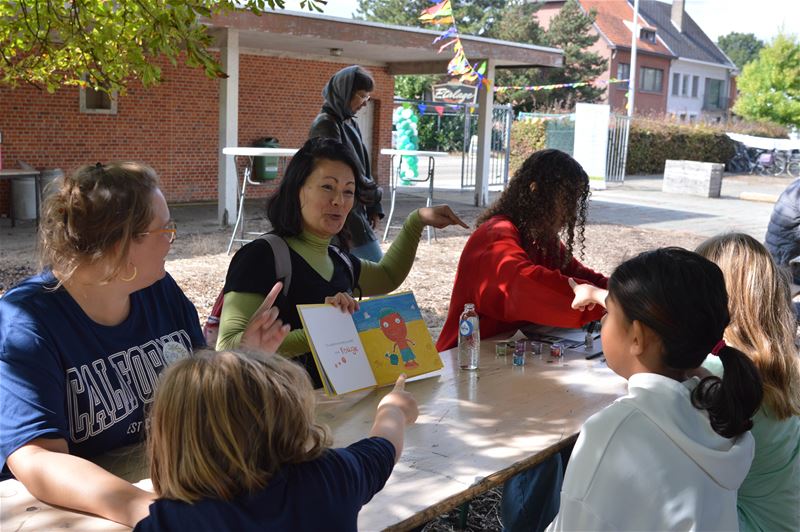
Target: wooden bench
693	177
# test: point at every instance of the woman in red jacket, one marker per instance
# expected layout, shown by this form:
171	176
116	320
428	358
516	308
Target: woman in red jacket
515	267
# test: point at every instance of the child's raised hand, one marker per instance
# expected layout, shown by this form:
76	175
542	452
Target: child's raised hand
401	399
343	301
587	295
265	331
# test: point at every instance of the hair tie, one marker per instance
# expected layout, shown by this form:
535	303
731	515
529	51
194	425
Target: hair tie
718	347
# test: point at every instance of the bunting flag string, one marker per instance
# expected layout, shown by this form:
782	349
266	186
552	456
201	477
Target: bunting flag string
442	13
531	88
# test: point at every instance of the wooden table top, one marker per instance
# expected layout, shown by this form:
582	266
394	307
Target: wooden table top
475	430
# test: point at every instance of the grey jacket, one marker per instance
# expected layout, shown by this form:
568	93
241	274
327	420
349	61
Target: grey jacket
783	231
336	121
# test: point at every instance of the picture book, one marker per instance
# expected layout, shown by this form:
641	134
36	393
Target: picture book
372	347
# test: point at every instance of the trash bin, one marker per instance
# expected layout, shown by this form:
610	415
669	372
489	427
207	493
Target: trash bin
23	192
23	198
265	167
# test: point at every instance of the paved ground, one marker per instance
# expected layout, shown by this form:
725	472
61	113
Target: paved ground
638	202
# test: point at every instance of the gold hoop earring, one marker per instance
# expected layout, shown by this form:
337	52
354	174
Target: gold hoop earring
132	277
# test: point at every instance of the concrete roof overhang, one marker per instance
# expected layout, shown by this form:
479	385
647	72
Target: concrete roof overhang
402	50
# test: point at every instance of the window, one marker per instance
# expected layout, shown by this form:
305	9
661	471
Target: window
714	99
685	86
676	80
623	71
695	83
648	35
650	79
97	102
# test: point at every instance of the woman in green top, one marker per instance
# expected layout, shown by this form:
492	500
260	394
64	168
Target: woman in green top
307	211
763	326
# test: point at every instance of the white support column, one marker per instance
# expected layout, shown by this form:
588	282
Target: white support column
228	127
485	107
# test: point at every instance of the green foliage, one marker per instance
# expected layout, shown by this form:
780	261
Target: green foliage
569	30
527	136
769	87
652	142
445	133
741	48
50	44
518	23
473	17
413	87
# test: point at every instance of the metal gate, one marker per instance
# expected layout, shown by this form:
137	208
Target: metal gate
617	151
560	134
502	118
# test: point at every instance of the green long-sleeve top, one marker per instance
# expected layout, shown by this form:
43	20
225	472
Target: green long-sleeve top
317	272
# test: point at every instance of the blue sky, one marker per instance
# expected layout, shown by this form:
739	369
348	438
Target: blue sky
716	17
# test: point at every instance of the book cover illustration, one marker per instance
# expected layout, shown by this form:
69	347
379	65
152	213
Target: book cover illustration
395	337
372	347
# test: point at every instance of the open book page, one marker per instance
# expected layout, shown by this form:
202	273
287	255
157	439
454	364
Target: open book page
395	337
337	349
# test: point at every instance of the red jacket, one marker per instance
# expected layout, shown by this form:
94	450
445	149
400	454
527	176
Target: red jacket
511	288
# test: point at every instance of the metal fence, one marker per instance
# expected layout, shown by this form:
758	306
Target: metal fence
502	118
617	152
453	128
560	135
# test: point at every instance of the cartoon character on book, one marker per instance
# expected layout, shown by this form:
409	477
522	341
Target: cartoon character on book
394	328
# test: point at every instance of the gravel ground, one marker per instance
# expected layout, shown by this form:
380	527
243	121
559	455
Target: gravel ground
199	268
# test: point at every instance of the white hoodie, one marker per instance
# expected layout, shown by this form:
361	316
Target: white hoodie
651	461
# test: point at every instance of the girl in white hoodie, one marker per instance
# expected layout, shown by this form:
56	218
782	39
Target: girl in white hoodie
671	454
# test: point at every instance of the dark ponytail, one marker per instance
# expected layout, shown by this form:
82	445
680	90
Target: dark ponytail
681	296
731	400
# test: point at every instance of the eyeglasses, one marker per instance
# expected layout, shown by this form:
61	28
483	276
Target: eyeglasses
364	97
171	229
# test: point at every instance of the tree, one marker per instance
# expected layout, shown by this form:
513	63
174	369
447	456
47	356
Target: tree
473	17
569	30
518	23
769	87
741	48
104	44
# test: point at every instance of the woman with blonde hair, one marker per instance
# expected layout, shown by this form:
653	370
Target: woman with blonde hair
763	326
83	342
233	445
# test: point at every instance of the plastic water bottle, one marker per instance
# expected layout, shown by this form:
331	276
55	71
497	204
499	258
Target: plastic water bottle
469	338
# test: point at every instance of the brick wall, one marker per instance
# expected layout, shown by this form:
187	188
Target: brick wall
174	126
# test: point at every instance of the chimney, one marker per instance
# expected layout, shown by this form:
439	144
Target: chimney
678	14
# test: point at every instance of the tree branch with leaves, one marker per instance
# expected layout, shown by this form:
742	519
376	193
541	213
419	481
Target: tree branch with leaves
105	45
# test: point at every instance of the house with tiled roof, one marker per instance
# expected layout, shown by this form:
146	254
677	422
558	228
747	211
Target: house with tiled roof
614	25
680	71
702	78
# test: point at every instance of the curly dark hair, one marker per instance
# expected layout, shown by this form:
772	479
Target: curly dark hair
548	180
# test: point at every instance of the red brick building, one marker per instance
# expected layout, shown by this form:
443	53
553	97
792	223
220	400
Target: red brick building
279	63
614	25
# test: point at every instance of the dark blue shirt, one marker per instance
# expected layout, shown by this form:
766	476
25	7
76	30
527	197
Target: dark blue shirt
62	375
323	494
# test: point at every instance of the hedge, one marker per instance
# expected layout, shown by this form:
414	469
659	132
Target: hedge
654	140
651	143
527	136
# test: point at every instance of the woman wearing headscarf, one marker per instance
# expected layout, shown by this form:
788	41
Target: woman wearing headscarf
346	93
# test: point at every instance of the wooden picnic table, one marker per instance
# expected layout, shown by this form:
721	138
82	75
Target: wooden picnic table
475	430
